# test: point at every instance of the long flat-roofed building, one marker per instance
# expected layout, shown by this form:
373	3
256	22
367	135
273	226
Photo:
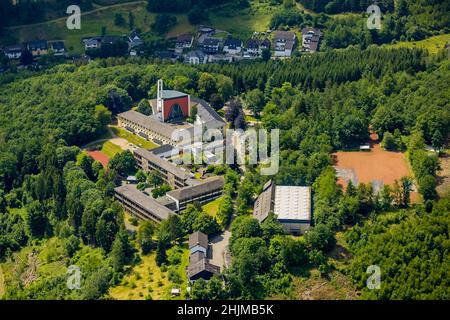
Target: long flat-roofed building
264	203
290	204
205	191
146	126
293	208
172	175
140	205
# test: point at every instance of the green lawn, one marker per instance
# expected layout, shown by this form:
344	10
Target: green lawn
432	44
212	207
134	139
243	23
110	149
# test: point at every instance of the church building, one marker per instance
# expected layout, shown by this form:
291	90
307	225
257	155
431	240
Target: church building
170	111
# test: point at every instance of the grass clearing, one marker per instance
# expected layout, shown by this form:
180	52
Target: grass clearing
244	22
336	287
134	139
212	208
110	149
432	44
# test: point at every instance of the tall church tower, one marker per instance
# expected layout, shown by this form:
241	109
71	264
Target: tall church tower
159	98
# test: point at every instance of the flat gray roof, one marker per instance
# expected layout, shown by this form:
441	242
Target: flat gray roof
131	193
185	193
166	165
148	123
293	203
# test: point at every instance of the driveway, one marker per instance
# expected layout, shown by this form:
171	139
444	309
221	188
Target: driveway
219	250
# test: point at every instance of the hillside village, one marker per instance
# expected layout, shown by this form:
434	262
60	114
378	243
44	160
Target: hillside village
208	45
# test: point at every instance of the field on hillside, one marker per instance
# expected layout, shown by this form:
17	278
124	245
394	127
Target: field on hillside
91	25
432	44
241	24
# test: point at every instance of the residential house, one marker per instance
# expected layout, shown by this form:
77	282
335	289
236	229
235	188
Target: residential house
196	57
265	44
256	46
284	43
211	45
134	40
57	47
92	43
253	47
310	39
184	41
232	46
38	47
13	51
201	268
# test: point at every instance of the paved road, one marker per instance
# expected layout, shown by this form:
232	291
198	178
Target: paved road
219	248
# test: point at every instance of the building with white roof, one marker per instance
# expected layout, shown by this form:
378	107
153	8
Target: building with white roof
290	204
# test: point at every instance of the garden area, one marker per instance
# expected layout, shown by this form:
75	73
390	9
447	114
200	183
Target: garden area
148	281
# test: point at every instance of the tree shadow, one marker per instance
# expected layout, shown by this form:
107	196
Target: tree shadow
303	271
